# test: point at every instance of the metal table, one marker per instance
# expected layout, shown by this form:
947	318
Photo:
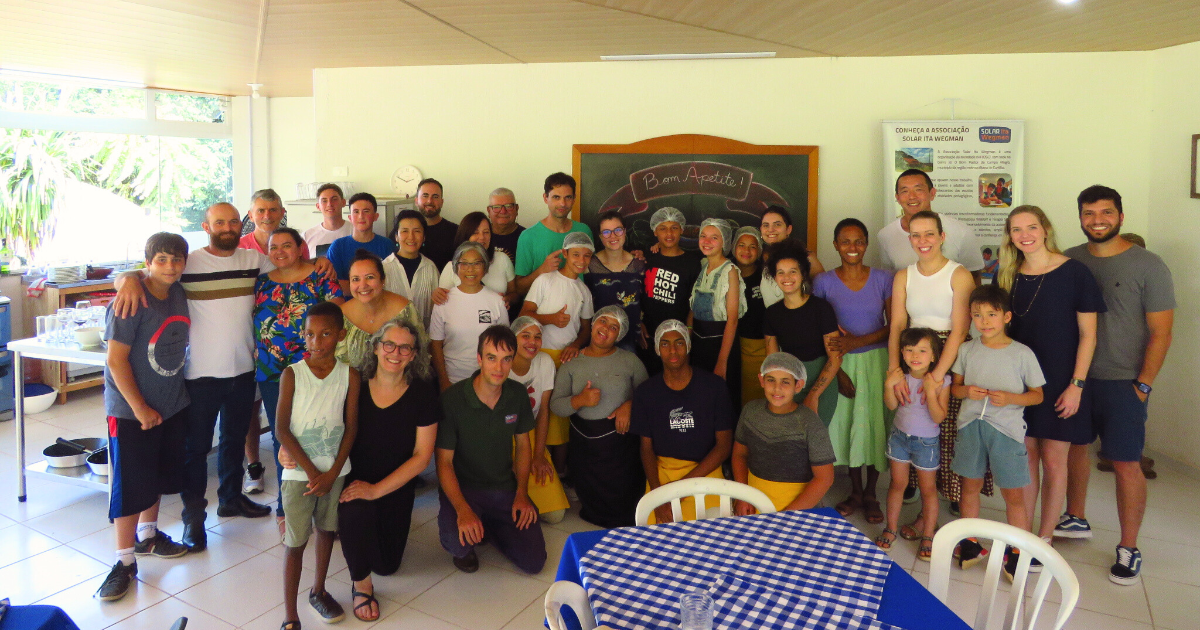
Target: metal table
37	349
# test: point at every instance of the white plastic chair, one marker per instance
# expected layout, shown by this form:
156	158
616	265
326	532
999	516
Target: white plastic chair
564	593
698	488
1054	567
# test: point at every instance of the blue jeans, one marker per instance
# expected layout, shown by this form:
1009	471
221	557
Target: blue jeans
270	399
231	399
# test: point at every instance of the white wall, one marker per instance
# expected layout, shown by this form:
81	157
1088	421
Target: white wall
293	155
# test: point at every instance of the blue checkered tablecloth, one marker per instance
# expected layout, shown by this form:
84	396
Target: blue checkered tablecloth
787	570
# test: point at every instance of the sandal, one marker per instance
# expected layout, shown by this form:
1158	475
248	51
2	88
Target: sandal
925	549
871	509
910	531
885	543
370	600
290	625
849	506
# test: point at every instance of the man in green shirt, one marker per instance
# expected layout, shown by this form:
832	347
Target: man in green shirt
481	488
539	247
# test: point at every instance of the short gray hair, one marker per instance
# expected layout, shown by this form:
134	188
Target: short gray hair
268	195
502	192
418	368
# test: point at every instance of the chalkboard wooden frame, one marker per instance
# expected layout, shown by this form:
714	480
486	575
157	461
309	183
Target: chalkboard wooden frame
699	144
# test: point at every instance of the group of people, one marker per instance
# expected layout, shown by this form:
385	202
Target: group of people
530	363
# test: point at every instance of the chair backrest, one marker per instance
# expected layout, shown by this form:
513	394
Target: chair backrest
700	487
569	594
1054	568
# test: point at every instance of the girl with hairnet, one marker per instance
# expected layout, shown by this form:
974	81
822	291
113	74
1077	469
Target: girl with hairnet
670	274
747	254
534	369
781	447
595	391
717	304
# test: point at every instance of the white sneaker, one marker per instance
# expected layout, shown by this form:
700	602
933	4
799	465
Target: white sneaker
253	484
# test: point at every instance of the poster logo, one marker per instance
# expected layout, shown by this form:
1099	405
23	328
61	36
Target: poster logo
995	134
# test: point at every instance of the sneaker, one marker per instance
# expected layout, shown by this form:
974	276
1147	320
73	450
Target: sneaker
1127	569
161	546
1071	526
910	495
955	508
253	483
1011	558
117	583
970	553
326	606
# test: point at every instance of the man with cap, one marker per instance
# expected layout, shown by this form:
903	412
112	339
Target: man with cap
683	417
780	446
595	390
671	273
539	247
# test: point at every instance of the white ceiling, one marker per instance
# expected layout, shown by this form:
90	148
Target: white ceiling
219	46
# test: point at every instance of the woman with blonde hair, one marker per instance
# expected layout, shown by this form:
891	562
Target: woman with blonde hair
1055	300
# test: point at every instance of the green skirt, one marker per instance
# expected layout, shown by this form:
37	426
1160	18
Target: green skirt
859	428
827	403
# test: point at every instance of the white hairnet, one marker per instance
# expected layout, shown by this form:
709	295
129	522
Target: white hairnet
579	239
663	215
784	362
744	230
724	228
523	322
617	313
666	327
468	246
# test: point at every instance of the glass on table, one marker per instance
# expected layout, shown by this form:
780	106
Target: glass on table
52	329
43	325
64	317
696	611
83	305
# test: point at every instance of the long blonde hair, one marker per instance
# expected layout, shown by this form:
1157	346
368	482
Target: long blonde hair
1012	258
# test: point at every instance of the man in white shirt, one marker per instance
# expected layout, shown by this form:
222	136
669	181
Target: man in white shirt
914	193
332	226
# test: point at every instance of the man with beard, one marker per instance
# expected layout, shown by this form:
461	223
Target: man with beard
539	248
439	232
219	372
1132	339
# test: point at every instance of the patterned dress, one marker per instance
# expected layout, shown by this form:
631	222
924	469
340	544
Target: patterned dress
279	310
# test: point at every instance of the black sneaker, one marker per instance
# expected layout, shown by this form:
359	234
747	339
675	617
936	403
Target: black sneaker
161	546
910	494
468	563
1011	558
955	508
1127	570
326	606
117	583
970	553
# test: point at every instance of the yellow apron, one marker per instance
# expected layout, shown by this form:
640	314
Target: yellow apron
671	469
753	353
781	494
547	498
560	427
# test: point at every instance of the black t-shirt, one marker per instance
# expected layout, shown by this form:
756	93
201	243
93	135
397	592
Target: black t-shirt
683	424
386	437
439	242
669	282
801	331
410	265
750	325
507	243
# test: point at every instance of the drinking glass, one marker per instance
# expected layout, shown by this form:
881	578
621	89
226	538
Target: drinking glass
42	327
83	305
696	611
64	317
52	329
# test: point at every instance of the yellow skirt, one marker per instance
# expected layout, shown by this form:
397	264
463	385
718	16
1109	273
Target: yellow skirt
753	353
671	469
560	427
549	497
781	494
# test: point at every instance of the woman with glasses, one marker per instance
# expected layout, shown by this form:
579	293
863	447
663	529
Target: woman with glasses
615	277
476	228
469	309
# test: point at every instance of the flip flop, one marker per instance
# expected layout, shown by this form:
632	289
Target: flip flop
849	506
872	511
367	604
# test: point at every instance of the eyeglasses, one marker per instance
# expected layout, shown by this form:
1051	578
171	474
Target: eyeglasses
477	264
613	232
405	349
507	206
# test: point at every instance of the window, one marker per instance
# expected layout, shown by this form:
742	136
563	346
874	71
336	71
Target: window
87	173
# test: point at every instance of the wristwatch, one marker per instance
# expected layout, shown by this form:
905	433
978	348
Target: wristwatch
1142	387
1078	382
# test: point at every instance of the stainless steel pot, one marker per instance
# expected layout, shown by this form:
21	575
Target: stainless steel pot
70	454
97	462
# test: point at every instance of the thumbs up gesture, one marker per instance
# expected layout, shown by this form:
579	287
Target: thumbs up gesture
589	397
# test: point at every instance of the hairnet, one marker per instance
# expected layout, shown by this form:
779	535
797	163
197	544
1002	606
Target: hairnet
579	239
666	327
663	215
724	228
468	246
523	322
617	313
784	362
744	230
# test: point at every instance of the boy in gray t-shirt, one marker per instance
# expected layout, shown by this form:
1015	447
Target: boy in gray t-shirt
996	377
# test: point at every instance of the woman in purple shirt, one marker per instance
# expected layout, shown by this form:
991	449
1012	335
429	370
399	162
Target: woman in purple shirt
861	297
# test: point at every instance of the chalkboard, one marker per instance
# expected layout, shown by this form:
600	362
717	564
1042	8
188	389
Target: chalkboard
703	176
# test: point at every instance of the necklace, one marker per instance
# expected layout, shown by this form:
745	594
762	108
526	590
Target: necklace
1041	279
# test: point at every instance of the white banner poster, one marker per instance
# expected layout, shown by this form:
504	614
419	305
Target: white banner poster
977	167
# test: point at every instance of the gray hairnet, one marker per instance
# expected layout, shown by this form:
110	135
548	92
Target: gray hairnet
752	231
579	239
523	322
617	313
724	228
663	215
666	327
468	246
784	362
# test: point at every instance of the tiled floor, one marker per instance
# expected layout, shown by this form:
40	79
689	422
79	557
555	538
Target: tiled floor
57	547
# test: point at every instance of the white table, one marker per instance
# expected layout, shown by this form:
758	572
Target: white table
37	349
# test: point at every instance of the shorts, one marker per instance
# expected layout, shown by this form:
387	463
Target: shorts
981	445
921	452
144	465
301	512
1118	419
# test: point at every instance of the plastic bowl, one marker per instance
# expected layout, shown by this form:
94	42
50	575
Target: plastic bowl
88	337
39	397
